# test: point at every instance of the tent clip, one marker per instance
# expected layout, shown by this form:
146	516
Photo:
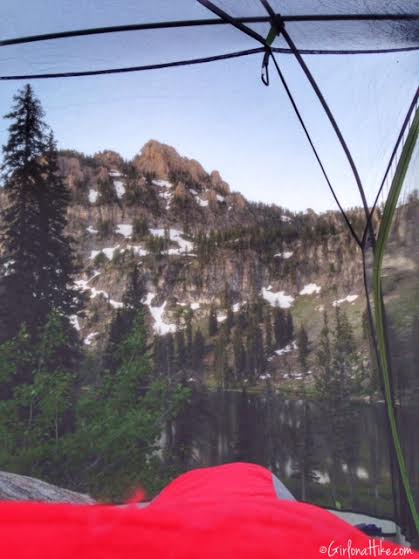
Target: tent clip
277	25
265	67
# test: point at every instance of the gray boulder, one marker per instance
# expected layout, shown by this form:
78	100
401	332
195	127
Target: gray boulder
14	487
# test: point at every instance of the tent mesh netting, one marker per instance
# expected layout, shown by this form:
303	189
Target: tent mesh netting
60	40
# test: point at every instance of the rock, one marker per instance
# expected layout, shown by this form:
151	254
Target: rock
218	184
163	162
14	487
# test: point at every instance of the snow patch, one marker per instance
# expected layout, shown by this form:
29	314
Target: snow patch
108	252
119	188
158	232
95	292
287	349
285	255
82	284
138	250
310	289
162	183
89	339
202	203
91	230
194	306
93	194
220	198
74	321
115	173
221	317
116	304
285	218
175	236
322	477
160	326
167	195
124	229
362	473
347	299
278	299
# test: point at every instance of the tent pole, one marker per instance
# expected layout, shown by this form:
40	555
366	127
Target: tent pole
336	128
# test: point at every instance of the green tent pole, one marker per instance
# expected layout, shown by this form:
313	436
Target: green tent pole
384	232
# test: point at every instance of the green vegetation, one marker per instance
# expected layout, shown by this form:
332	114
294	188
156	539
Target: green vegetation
62	412
107	194
140	228
105	228
103	411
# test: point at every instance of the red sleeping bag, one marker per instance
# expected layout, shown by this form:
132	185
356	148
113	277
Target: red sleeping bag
230	511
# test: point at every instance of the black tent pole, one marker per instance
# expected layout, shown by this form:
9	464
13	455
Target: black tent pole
335	127
310	141
394	152
278	23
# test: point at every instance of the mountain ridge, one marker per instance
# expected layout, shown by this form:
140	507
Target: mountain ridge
197	243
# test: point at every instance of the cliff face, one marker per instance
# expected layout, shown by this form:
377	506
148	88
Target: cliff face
193	240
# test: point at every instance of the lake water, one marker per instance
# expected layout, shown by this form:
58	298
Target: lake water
332	454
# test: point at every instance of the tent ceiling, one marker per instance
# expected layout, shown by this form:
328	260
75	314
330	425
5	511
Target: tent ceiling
319	26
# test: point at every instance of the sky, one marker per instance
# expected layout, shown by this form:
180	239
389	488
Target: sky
220	114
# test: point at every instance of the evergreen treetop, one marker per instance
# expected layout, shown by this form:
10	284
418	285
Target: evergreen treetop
37	260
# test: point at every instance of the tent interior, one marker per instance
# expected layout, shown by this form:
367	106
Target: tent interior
344	76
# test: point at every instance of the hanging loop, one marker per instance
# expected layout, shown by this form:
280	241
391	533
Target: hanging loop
265	67
277	25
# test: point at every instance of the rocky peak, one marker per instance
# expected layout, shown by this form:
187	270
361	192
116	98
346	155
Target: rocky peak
163	162
109	159
191	236
218	184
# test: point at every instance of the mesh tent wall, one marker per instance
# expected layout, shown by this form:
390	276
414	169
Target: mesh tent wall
44	48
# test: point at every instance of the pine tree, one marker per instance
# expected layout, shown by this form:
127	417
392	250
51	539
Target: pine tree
119	327
255	355
280	327
268	333
37	256
226	297
343	353
123	420
229	320
324	359
343	331
169	355
198	351
221	367
239	353
180	350
22	172
57	267
37	413
135	292
289	327
122	322
303	348
158	355
212	322
188	334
